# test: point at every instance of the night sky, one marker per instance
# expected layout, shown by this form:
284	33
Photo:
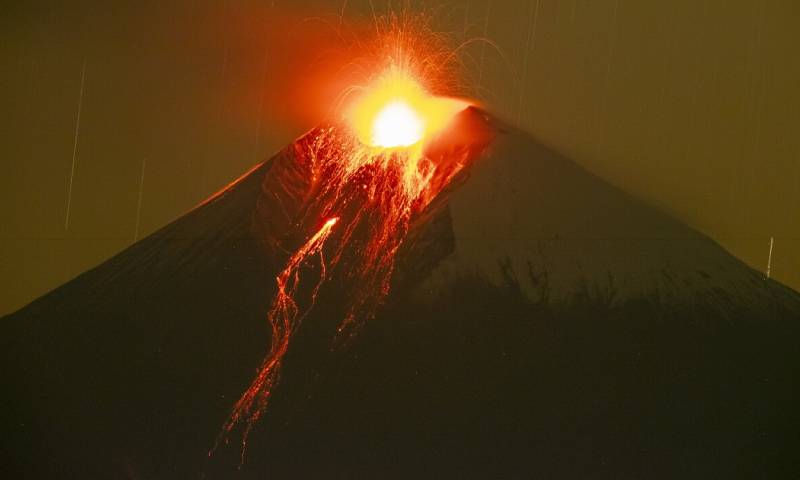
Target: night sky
689	105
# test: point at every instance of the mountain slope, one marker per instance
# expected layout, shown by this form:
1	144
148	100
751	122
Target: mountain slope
552	221
541	324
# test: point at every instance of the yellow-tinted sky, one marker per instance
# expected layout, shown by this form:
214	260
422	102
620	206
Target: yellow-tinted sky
690	105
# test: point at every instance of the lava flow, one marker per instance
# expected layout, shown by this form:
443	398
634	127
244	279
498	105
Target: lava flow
354	188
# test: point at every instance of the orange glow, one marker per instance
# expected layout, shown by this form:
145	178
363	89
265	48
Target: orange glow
396	111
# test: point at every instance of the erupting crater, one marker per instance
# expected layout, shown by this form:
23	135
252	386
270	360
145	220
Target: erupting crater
396	111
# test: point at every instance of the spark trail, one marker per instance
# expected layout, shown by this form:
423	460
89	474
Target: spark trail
75	146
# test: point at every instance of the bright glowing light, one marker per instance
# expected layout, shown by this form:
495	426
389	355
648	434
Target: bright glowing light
396	111
397	125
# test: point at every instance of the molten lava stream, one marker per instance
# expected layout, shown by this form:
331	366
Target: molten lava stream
369	178
283	318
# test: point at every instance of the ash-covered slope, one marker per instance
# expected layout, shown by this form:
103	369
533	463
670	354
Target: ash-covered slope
562	232
541	324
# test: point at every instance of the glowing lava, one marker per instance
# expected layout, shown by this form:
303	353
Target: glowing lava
362	181
283	318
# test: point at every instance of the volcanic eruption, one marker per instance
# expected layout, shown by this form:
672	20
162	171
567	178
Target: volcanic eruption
439	294
369	177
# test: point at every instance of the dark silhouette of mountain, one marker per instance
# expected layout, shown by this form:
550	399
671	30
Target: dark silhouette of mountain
541	324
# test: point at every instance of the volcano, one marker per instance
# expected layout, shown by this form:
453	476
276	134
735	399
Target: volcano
540	323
